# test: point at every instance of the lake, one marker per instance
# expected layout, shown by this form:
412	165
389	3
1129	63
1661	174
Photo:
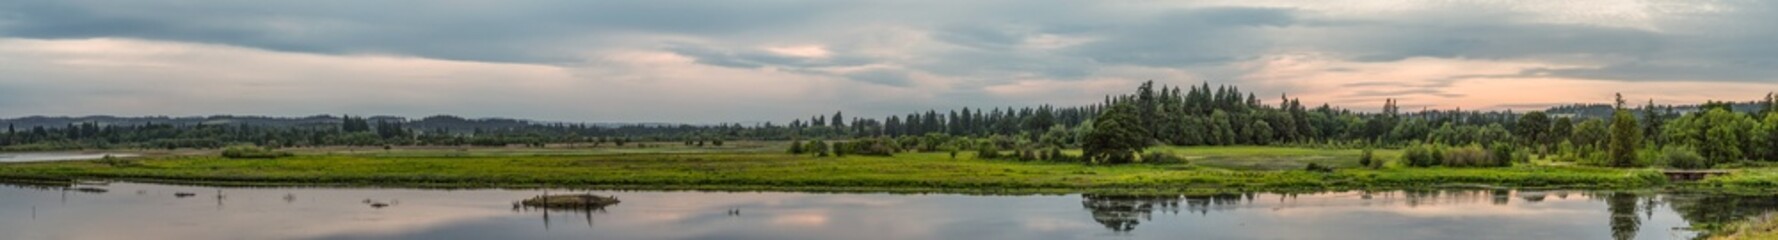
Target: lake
152	211
56	156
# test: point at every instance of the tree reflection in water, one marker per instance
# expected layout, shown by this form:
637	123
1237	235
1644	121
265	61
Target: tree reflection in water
1628	210
1624	222
1121	213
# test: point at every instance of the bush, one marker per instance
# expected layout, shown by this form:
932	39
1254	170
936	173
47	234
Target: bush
987	151
1316	167
796	147
1056	155
1683	158
867	146
117	162
250	151
1422	155
1368	159
1429	155
1469	156
1162	158
1501	154
1523	157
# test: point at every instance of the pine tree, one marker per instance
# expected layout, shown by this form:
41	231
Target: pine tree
839	120
1771	104
1625	138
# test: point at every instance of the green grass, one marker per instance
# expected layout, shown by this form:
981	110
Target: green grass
1764	227
1271	158
1213	168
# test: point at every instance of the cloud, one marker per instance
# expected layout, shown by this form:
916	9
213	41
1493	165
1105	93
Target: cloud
520	31
879	57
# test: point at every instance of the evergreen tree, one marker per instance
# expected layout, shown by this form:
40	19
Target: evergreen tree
1771	105
839	120
1651	124
1626	137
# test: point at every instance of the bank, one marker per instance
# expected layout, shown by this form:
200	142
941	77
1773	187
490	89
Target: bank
912	172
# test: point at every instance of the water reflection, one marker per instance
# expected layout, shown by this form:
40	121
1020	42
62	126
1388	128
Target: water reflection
1625	211
1121	213
1624	221
64	212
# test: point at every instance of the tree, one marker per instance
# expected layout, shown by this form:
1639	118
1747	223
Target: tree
839	121
1767	137
1590	134
1718	134
1651	124
1560	131
820	148
1117	136
1626	137
1533	128
1259	132
1222	129
1771	104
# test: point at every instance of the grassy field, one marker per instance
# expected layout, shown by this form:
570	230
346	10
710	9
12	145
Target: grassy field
753	168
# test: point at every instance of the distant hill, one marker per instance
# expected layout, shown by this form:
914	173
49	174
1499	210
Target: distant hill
452	123
1601	110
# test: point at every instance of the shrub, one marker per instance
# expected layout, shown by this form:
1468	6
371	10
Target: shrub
1683	158
867	146
796	147
1162	158
1501	154
250	151
1056	155
1522	157
820	148
117	162
987	151
1469	156
1422	155
1367	158
1316	167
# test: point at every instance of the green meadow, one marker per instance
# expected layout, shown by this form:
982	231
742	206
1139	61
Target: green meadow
747	167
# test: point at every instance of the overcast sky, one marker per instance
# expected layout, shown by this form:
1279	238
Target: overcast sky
721	61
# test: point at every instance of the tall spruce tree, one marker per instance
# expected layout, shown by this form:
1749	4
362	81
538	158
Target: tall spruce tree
1626	136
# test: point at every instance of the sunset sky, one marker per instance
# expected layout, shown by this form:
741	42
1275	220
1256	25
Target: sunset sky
724	61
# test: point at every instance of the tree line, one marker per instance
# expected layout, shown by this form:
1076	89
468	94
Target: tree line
1113	130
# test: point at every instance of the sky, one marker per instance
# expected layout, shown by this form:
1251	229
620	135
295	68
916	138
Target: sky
771	60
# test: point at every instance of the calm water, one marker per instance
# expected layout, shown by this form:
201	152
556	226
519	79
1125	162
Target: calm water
147	211
55	156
